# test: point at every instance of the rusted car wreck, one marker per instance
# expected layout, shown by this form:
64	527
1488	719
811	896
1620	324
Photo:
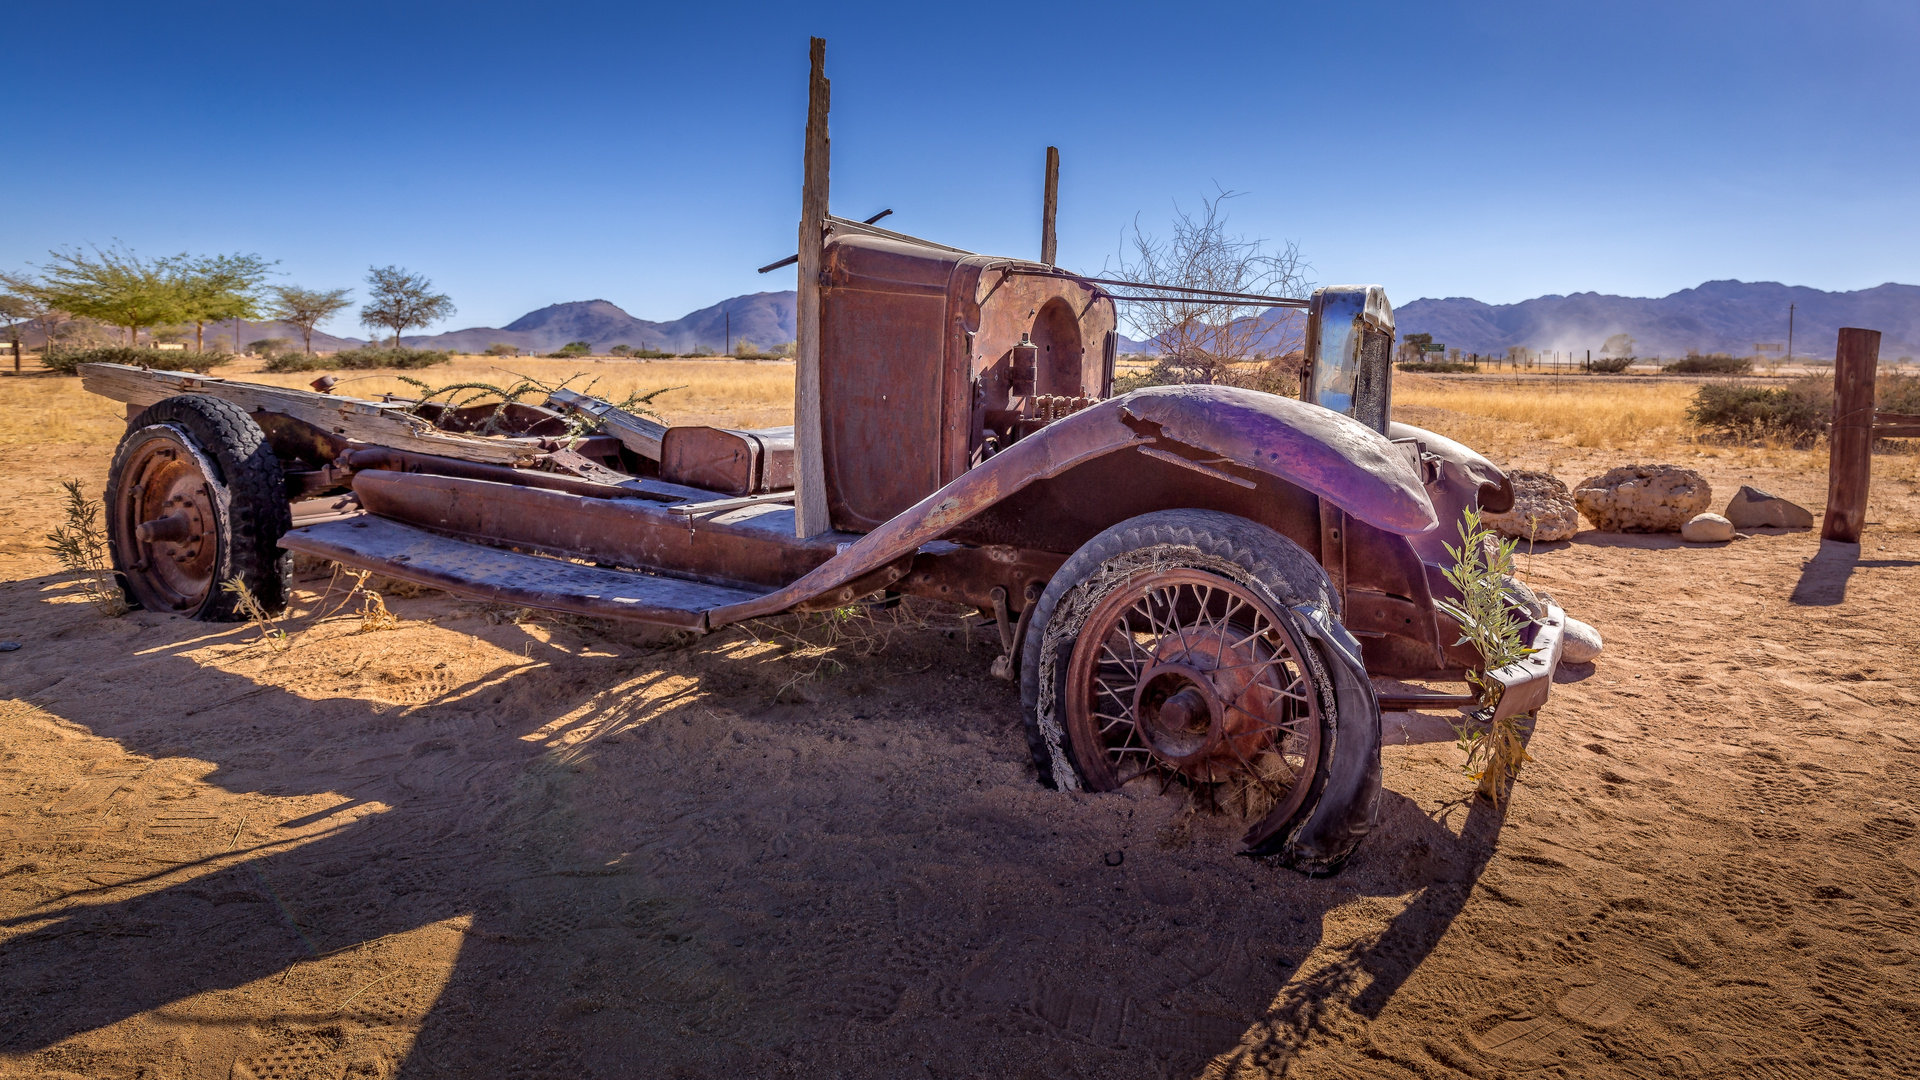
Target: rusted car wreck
1189	582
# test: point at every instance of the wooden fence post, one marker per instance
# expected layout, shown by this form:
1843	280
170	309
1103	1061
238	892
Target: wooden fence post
1851	440
811	516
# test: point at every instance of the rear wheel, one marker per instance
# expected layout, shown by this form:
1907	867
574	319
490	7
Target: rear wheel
1197	647
195	499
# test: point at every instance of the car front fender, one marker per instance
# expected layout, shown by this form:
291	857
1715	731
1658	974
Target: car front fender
1224	431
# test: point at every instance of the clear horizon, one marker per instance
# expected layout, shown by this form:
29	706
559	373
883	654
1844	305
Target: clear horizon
649	156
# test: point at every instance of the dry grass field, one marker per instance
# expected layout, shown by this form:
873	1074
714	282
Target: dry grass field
490	843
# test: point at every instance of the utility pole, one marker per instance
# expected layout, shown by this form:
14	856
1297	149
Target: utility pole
1790	333
728	315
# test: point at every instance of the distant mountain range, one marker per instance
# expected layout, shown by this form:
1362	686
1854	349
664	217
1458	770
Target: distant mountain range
1719	316
765	319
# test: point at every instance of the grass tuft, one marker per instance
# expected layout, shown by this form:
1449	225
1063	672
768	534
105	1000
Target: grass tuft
81	546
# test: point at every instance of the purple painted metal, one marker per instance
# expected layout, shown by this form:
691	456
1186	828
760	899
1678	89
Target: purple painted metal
1313	449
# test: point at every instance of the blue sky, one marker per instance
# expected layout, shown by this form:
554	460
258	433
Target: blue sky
522	155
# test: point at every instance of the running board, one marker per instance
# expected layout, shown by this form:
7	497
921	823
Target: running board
487	573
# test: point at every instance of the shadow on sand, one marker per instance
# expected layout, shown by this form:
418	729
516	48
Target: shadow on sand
703	885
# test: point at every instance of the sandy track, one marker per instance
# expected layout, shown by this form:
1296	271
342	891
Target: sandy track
479	847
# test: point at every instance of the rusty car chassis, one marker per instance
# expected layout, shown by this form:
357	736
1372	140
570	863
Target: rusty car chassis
1191	582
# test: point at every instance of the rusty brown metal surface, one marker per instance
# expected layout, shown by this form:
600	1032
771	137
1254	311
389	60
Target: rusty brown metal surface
920	344
752	545
1307	449
486	573
728	461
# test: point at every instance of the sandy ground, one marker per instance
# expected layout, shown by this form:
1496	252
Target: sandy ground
490	846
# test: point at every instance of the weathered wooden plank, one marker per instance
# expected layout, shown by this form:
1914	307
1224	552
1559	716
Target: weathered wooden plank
1888	425
487	573
811	516
365	421
636	433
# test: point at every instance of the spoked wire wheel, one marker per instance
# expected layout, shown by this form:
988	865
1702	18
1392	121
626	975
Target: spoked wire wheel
1184	675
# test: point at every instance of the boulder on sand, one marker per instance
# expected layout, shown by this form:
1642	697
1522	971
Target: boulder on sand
1707	529
1580	644
1543	509
1752	508
1643	498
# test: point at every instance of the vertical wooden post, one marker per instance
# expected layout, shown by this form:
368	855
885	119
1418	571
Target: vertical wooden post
1050	205
811	516
1851	440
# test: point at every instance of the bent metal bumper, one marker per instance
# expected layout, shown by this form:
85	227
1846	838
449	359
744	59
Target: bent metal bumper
1525	683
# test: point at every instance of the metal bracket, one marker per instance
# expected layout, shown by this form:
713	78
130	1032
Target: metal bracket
1007	664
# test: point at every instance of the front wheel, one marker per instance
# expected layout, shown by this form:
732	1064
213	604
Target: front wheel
1198	647
196	499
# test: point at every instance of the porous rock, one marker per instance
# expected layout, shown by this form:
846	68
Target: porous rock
1543	509
1752	508
1707	529
1643	498
1580	644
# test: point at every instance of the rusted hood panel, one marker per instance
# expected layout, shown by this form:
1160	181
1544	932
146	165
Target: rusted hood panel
1323	452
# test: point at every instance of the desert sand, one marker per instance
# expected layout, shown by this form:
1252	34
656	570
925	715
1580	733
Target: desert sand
488	843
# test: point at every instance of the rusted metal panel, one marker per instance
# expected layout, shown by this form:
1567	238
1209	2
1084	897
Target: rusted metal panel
752	545
1308	448
728	461
484	573
918	348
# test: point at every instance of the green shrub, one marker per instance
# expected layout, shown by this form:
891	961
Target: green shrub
67	361
1610	365
571	349
363	359
1800	410
1710	364
1759	410
1438	367
269	346
650	354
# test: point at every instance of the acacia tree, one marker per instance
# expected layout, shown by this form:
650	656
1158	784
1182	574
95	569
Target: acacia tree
1202	341
306	308
216	288
17	307
113	286
402	299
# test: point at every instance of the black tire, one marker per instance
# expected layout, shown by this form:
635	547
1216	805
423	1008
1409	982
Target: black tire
242	521
1323	829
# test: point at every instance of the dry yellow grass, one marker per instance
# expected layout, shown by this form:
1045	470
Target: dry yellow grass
737	393
1585	411
44	409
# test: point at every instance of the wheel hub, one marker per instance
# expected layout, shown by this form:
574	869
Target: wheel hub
170	521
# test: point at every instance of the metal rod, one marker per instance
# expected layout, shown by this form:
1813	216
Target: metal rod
1208	294
791	259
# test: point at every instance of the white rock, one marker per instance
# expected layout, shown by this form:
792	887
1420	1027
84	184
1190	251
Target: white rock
1542	511
1707	529
1643	498
1580	644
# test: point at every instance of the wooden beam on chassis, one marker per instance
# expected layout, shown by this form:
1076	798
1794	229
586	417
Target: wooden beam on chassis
362	421
811	515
